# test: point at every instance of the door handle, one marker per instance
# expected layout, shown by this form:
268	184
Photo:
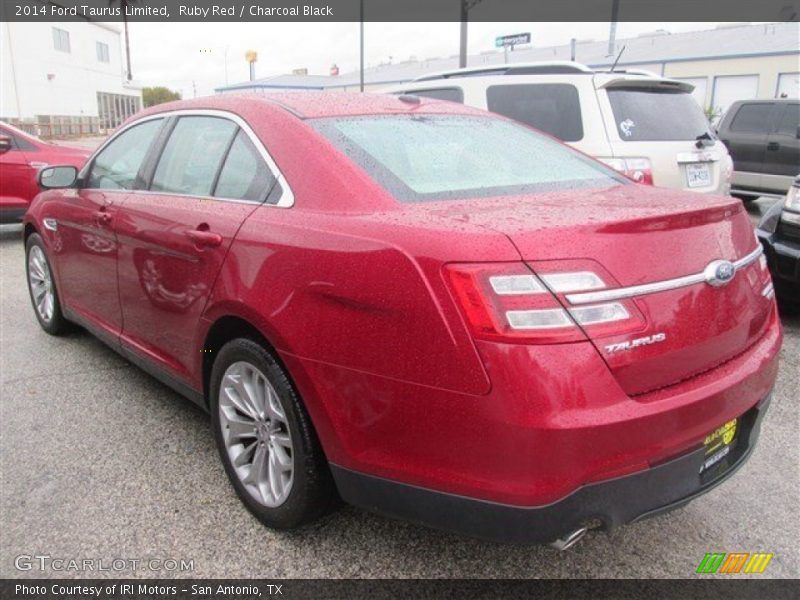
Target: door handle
102	217
203	238
773	146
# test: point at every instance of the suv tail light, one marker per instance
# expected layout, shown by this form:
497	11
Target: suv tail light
508	302
638	169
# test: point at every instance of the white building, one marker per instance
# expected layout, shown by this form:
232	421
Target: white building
64	78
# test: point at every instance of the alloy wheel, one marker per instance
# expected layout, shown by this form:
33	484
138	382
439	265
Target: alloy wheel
256	434
41	283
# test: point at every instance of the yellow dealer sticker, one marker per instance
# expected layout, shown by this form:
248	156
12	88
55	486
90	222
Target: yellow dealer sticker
718	444
720	437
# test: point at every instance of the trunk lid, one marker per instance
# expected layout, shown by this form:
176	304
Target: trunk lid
641	235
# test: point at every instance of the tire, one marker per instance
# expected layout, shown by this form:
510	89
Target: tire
308	491
42	287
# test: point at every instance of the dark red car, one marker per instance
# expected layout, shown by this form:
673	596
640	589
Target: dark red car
433	311
21	157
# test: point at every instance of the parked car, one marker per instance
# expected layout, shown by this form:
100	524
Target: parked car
21	157
438	313
763	138
779	232
645	126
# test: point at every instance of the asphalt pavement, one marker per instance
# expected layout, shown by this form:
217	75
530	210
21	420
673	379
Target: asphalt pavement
99	461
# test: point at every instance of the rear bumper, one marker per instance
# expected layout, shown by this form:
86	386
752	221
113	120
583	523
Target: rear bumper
608	504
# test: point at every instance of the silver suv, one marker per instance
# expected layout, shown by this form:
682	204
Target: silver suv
646	126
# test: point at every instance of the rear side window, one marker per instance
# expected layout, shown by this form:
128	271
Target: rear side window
655	115
554	108
117	165
244	176
753	118
790	120
192	157
452	94
436	157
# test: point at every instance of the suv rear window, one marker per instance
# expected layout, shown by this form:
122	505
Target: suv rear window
436	157
655	115
753	118
554	108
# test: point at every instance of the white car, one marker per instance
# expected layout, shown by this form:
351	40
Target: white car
648	127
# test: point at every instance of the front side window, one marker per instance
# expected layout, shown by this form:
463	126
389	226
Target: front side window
435	157
192	157
753	118
554	108
118	164
244	176
102	52
656	115
61	40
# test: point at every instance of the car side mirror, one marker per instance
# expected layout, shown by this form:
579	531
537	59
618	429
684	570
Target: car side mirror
57	177
797	133
5	144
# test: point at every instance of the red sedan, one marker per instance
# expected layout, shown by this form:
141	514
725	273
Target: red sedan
432	311
21	157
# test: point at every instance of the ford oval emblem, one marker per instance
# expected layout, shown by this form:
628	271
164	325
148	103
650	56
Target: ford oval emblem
719	273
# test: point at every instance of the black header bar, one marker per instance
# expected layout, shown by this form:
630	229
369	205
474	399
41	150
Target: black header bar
398	10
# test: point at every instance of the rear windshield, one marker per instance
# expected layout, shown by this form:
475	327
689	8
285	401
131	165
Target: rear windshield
657	115
435	157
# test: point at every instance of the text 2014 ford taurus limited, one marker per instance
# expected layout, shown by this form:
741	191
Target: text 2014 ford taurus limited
434	312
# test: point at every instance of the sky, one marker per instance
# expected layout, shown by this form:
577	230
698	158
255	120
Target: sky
191	58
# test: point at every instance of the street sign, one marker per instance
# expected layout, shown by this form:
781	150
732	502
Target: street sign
503	41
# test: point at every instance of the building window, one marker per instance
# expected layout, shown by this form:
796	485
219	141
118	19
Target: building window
61	40
102	52
113	109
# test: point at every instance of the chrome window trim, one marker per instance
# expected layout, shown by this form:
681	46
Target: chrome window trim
287	196
657	286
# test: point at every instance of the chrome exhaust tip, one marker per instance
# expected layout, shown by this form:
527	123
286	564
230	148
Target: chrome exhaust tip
569	540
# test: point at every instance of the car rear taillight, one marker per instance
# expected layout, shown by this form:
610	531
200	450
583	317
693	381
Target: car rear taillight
509	302
638	169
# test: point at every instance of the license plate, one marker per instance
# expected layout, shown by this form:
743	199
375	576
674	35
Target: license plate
718	444
698	175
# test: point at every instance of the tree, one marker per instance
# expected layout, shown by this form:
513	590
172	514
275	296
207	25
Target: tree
158	95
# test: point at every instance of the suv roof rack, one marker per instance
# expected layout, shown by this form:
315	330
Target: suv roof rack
538	68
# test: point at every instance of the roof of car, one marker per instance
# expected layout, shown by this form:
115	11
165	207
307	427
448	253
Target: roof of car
313	104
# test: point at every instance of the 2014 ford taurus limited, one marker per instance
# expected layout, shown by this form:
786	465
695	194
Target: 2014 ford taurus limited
431	311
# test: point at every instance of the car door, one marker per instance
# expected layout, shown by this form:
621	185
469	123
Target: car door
87	218
17	178
782	162
745	135
209	177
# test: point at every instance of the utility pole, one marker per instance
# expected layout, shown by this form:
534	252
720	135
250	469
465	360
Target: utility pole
466	6
361	50
127	38
462	52
612	34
